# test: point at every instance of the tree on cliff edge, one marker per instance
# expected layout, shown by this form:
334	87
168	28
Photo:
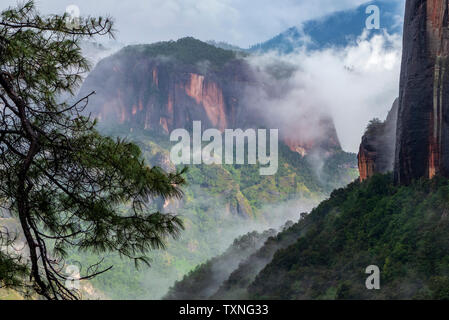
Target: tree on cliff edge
68	186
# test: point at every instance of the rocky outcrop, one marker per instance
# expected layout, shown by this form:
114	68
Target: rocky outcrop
423	131
156	97
377	150
145	89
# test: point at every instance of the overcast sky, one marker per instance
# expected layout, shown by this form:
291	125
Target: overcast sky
239	22
354	99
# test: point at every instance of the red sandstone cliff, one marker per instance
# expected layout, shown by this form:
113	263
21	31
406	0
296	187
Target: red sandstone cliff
423	132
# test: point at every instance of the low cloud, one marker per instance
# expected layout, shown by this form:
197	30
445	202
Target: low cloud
352	85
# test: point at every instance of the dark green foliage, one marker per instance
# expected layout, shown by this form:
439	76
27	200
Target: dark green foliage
204	280
235	287
403	230
344	292
12	272
186	50
439	288
374	127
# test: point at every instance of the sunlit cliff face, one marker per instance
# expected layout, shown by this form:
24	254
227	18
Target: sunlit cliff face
210	96
202	92
437	31
366	164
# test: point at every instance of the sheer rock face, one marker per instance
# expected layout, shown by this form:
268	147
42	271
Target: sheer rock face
423	130
162	94
377	150
153	94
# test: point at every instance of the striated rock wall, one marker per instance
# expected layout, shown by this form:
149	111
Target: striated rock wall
423	131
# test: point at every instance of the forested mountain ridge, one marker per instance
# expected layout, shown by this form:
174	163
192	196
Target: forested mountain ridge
402	230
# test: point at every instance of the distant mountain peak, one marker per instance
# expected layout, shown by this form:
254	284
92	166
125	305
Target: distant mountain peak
335	30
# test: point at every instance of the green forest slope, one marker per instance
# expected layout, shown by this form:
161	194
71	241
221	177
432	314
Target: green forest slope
402	230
